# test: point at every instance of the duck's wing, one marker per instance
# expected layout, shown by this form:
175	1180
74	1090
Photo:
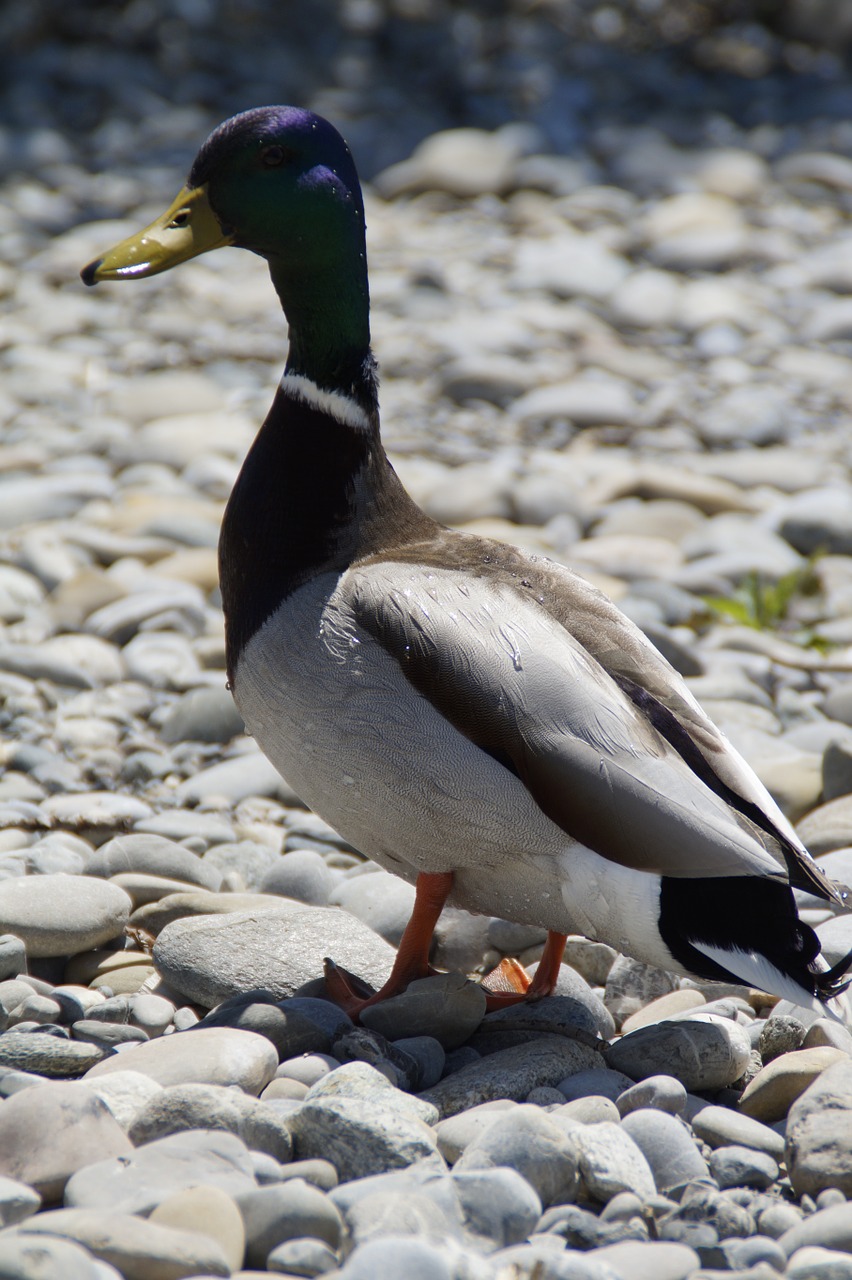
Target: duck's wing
660	693
491	657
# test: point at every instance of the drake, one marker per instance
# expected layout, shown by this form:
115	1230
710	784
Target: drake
480	721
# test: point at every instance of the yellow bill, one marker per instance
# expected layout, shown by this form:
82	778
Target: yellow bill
187	228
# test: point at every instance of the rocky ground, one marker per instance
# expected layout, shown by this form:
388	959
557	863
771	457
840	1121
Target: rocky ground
633	358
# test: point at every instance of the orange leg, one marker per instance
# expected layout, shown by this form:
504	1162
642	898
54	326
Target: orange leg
508	984
412	958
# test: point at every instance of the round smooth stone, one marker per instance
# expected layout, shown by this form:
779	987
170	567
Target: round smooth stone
533	1144
667	1145
291	1210
29	1256
819	1133
722	1127
209	1211
447	1007
661	1093
49	1131
52	1056
60	915
302	1256
17	1201
153	855
207	1106
610	1162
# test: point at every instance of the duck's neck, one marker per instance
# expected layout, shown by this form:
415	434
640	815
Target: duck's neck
328	313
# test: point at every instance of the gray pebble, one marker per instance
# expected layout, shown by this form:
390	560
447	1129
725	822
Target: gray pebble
661	1093
153	855
819	1133
399	1256
596	1081
202	715
50	1131
107	1034
205	1106
291	1210
52	1056
510	1073
209	959
429	1055
380	900
742	1167
361	1136
652	1260
35	1257
611	1162
138	1181
12	956
301	874
778	1035
59	915
668	1147
574	1007
630	985
447	1007
722	1127
299	1025
18	1201
702	1055
202	1055
534	1145
302	1257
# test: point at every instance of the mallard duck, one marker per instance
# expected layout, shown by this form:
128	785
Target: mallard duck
480	721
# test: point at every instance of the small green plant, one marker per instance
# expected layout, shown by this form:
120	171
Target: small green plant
766	605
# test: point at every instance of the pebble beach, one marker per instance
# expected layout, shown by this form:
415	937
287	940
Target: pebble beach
631	355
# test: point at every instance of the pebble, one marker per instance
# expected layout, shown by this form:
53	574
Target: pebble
28	1256
60	915
291	1211
361	1136
138	1181
668	1148
770	1094
743	1167
210	959
206	1106
510	1073
700	1054
447	1007
819	1132
139	1248
294	1026
722	1127
17	1201
153	856
610	1162
210	1212
533	1144
204	1055
829	1228
50	1131
662	1093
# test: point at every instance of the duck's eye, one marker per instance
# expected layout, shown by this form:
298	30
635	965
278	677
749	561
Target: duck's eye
181	218
271	157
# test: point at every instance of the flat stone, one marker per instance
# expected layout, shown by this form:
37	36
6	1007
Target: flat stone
722	1127
59	915
138	1248
210	959
668	1147
235	780
208	1055
207	1106
533	1144
511	1073
651	1260
819	1132
137	1182
664	1007
155	856
573	1008
830	1228
773	1090
364	1082
50	1131
701	1054
290	1211
210	1212
447	1006
54	1057
183	824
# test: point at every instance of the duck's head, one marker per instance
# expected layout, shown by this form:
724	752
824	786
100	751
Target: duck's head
279	181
